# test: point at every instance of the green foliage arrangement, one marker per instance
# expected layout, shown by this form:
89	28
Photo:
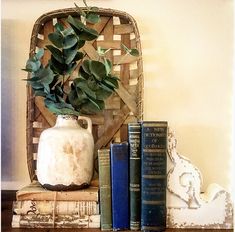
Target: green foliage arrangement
95	81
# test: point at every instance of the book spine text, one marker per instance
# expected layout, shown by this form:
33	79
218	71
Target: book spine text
57	207
59	221
105	188
153	176
134	174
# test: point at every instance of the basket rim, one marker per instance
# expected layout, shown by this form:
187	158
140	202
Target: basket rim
61	13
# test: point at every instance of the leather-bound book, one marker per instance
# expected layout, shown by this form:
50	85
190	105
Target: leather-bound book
134	174
153	175
120	185
105	189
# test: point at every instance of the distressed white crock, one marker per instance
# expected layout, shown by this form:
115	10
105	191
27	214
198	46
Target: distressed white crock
65	153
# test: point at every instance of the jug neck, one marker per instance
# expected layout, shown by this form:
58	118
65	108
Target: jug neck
67	121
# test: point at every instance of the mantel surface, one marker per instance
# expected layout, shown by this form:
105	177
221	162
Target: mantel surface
6	217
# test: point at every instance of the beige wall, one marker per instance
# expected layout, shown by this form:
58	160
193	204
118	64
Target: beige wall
187	52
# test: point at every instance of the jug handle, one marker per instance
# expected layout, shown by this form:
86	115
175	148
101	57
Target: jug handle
89	122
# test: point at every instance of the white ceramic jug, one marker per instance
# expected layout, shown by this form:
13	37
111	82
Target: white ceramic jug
65	154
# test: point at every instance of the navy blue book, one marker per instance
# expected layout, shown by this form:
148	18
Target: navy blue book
153	175
134	174
120	186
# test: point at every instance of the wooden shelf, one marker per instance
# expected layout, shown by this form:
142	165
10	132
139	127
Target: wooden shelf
9	195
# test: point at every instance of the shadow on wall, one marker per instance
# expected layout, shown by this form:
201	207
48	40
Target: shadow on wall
7	104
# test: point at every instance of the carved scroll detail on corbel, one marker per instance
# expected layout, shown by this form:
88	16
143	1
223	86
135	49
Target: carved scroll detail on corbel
186	206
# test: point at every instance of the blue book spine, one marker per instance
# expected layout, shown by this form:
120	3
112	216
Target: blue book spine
120	186
153	175
134	174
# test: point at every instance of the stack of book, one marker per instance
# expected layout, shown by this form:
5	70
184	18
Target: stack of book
36	207
133	179
131	193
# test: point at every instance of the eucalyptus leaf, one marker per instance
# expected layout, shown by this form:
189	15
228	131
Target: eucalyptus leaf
57	67
81	95
101	104
97	69
60	99
63	105
39	54
59	27
108	66
82	84
81	43
88	35
97	103
84	33
134	52
92	17
57	39
58	108
69	111
46	88
92	107
76	23
72	96
92	84
58	105
45	75
114	77
36	85
33	79
68	31
69	55
83	74
33	65
26	70
89	108
51	97
70	68
69	41
56	53
40	93
94	8
86	66
111	82
76	98
106	88
102	94
78	56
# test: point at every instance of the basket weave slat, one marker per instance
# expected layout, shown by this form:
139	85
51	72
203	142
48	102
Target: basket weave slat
123	107
48	28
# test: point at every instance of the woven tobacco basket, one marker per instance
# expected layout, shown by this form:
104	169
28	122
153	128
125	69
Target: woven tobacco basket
124	106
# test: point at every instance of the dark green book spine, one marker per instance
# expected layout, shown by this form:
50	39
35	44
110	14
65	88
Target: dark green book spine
105	189
153	175
134	187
